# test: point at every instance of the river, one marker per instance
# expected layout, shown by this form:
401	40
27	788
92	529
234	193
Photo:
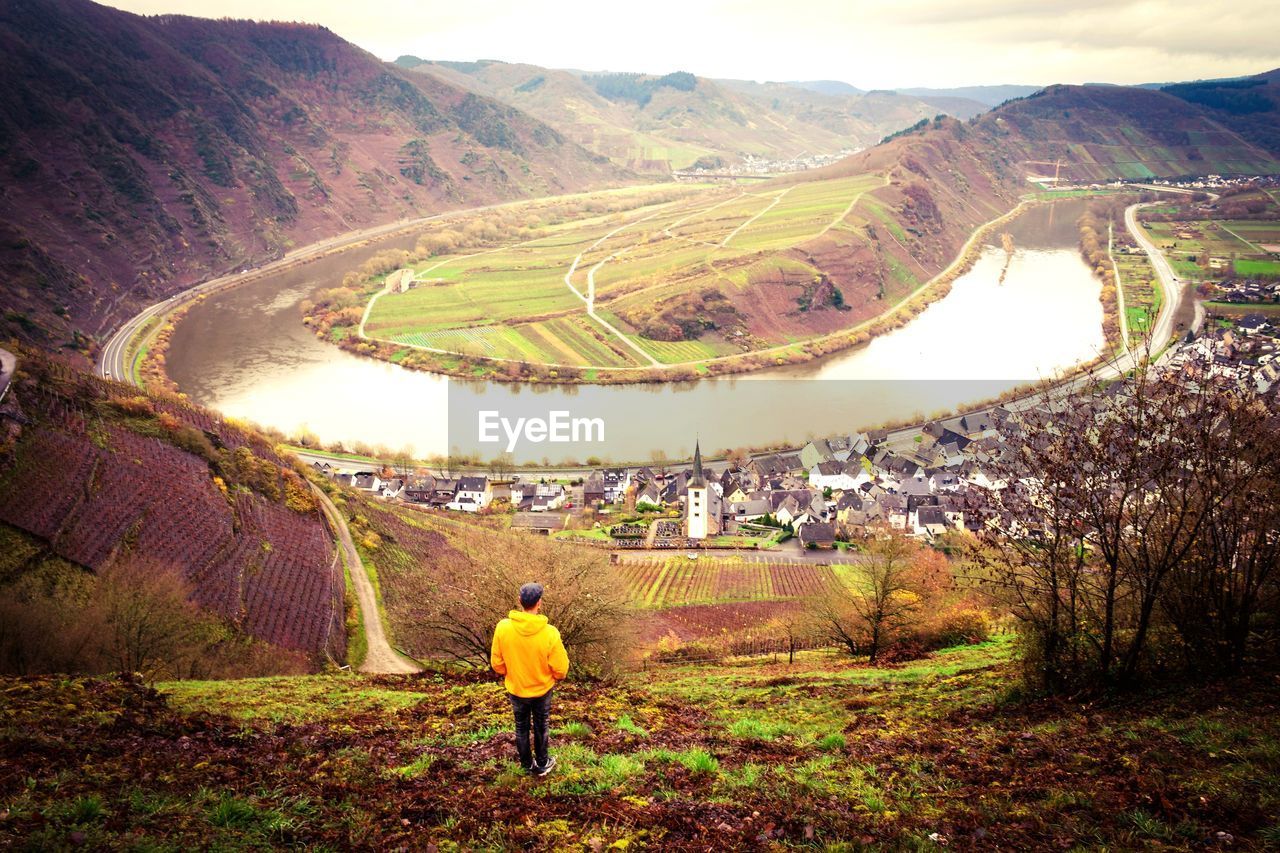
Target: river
246	353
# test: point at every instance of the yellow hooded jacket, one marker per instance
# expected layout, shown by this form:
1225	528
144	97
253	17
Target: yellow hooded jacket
529	652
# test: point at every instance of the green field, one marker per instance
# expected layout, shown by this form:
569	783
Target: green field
1239	242
1257	267
1143	295
1237	309
514	302
826	753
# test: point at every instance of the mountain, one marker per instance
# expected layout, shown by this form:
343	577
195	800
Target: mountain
990	95
1096	133
1125	132
1251	105
141	154
98	478
827	87
655	124
962	108
943	179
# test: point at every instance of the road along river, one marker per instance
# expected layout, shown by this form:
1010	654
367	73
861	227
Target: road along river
245	352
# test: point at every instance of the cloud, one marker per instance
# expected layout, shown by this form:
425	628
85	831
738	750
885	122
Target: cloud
870	43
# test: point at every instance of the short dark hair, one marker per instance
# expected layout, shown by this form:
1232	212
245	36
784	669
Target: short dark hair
530	594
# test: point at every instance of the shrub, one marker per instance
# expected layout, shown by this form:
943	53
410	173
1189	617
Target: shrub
626	724
958	627
574	729
479	576
230	811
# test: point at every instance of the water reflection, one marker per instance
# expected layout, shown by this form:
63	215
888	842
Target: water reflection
247	354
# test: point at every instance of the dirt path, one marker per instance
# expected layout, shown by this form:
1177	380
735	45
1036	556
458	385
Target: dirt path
589	298
852	204
380	657
734	233
1115	270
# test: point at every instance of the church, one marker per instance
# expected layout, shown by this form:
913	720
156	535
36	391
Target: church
702	511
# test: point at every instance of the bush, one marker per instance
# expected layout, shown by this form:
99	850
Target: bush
959	627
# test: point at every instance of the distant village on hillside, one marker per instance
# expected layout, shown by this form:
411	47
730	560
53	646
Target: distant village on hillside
833	489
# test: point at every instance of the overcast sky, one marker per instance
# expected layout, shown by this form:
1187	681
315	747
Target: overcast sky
869	43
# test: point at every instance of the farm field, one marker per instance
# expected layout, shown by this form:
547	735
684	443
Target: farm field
1248	247
1143	295
96	475
1257	267
528	301
678	581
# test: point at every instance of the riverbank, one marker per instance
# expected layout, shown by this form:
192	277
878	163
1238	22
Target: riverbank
464	366
245	353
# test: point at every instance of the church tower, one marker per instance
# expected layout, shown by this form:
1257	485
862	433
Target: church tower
697	505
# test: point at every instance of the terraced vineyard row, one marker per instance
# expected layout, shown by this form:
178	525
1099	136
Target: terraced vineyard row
93	489
678	581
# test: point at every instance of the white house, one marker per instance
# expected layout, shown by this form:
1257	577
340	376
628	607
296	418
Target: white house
838	476
473	495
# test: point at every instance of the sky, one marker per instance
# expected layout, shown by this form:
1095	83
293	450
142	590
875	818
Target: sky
872	44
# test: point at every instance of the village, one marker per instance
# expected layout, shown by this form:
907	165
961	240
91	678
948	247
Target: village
759	167
830	492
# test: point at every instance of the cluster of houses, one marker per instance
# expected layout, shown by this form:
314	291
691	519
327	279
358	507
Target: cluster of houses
460	494
1247	290
832	489
758	166
1248	354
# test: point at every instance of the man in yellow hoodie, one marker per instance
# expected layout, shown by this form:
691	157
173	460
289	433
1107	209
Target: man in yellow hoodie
531	655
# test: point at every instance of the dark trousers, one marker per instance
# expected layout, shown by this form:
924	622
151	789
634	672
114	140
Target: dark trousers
533	712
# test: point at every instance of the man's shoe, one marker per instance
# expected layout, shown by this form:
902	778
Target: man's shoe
546	768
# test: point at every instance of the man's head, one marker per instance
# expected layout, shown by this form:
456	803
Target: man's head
531	597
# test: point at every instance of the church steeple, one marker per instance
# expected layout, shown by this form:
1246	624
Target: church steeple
697	481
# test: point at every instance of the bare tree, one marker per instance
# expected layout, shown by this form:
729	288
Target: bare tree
660	462
1107	501
404	462
476	585
793	626
150	624
500	466
872	611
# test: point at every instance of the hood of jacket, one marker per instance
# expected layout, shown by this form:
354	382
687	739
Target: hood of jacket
527	624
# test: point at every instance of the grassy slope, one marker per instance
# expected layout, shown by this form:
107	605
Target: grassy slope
735	756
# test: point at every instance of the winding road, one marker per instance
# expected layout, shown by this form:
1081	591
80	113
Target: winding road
113	360
1162	331
589	298
379	657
